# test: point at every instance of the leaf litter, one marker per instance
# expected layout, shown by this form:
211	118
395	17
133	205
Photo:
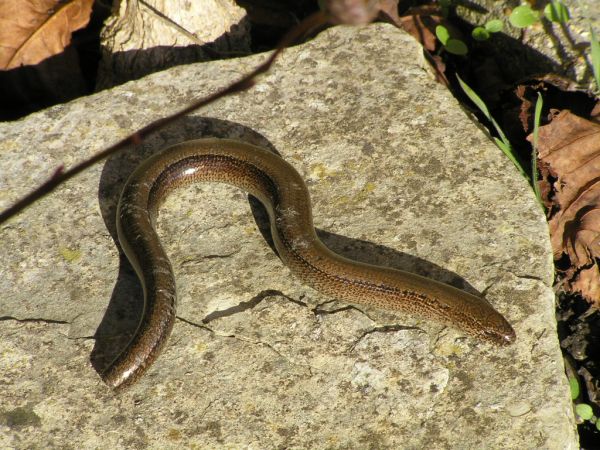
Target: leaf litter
34	30
569	163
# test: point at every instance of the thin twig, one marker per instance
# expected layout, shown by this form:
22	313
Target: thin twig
60	176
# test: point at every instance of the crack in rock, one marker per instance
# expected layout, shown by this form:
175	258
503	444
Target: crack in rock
246	305
249	341
210	403
383	329
198	260
317	311
529	277
34	319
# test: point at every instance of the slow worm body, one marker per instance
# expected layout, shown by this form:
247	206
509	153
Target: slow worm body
282	191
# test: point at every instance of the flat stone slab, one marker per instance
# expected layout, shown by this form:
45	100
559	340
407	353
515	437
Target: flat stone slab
398	175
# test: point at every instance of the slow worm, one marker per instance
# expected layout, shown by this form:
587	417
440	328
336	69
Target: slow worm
282	191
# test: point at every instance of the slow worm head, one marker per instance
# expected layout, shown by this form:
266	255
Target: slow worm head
282	191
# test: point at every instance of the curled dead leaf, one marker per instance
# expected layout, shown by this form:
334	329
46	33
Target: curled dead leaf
33	30
569	155
587	282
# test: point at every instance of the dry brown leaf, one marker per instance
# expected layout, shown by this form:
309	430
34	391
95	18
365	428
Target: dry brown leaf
569	154
33	30
390	9
587	282
525	114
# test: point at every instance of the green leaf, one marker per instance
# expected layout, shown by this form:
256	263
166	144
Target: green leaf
474	98
494	26
442	34
510	154
536	119
456	47
595	57
536	127
523	16
556	11
503	142
506	148
584	411
574	385
480	34
598	425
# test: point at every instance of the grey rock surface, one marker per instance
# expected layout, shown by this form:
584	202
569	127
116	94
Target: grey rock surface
562	49
399	175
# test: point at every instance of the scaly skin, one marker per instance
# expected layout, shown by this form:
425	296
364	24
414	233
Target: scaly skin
280	188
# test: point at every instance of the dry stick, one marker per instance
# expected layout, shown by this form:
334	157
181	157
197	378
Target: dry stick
246	82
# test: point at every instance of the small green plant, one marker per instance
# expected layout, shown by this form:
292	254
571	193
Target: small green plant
503	142
583	410
451	45
556	11
574	387
483	33
523	16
